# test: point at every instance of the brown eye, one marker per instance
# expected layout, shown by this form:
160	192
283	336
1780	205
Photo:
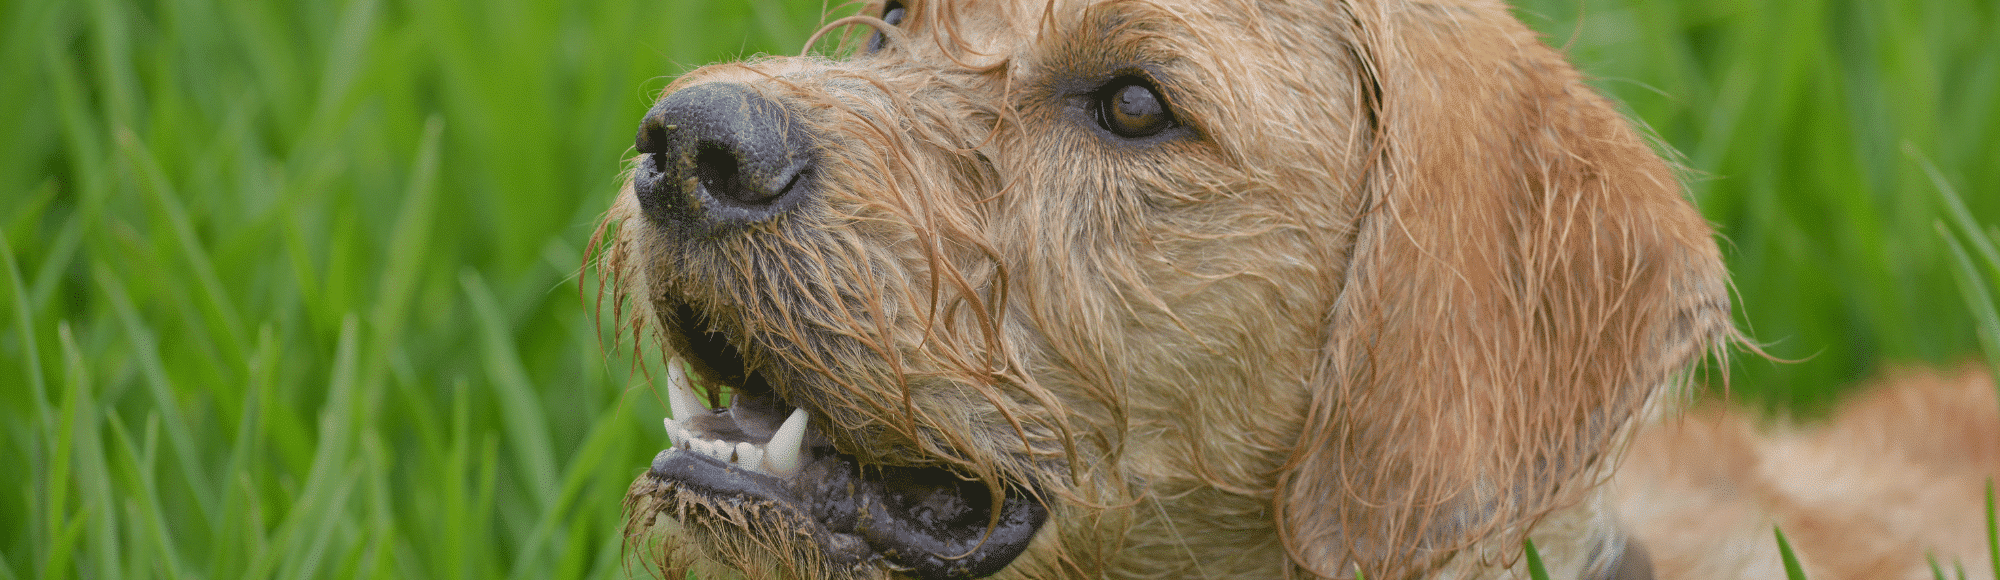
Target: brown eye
892	13
1132	109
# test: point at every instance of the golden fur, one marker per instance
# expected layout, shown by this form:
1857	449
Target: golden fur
1894	477
1388	305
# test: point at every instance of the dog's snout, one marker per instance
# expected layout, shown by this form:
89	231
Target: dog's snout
720	153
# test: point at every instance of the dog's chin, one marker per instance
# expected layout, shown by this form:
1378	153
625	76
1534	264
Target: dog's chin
763	492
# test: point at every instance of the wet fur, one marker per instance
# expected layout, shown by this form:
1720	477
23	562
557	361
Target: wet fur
1391	304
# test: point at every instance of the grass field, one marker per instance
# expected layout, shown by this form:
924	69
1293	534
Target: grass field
290	292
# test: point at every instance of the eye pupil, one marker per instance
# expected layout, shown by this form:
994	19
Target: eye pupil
1134	110
1136	101
892	13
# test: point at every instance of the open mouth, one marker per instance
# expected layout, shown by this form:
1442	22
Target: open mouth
762	451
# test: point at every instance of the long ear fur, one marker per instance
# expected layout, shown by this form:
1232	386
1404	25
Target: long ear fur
1525	277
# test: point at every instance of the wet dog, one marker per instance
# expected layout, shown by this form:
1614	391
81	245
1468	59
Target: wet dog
1153	289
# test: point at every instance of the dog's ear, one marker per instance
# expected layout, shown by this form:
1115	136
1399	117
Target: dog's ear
1526	275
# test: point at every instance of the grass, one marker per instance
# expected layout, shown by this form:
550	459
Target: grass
289	288
1805	127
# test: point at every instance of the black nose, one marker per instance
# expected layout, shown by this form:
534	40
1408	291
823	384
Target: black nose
720	153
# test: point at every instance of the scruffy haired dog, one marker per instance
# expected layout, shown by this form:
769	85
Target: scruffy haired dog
1154	289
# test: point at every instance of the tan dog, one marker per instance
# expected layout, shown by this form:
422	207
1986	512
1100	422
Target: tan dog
1894	479
1154	289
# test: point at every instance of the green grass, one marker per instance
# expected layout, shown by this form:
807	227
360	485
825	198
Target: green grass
1804	126
289	288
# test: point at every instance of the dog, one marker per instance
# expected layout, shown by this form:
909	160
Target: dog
1153	289
1888	485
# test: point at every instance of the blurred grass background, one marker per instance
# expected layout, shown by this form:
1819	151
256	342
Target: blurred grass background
289	288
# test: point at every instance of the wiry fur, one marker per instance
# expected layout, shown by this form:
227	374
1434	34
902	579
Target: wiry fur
1388	305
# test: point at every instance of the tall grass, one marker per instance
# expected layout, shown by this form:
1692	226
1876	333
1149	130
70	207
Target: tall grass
1796	121
289	287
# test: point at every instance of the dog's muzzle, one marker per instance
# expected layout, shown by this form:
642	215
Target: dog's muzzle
720	159
720	154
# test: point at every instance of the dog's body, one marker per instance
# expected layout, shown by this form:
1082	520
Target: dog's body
1891	482
1155	289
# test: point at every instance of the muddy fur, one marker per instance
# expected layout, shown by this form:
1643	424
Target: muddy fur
1385	300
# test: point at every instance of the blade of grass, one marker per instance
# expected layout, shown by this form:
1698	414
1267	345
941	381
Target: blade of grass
599	449
97	505
64	536
237	523
410	238
1965	231
1536	570
50	493
138	462
465	554
306	535
1793	571
1992	530
24	323
1956	209
160	385
1978	299
525	424
218	304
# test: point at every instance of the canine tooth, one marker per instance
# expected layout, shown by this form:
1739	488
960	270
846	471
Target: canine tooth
782	454
680	394
675	432
748	455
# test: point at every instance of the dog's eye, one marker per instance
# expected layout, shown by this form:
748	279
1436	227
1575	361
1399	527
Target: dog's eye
1132	109
892	13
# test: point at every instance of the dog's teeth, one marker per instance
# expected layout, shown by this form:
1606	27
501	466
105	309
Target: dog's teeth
780	456
782	453
748	456
675	432
681	395
712	448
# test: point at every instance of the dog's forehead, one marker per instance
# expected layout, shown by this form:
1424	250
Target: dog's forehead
1022	27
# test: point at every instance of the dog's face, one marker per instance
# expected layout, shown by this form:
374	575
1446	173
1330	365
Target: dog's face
1146	289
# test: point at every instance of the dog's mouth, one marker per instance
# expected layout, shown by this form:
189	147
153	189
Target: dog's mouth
758	466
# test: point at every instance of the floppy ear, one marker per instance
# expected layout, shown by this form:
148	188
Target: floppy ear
1525	277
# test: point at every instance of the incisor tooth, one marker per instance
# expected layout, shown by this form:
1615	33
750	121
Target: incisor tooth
782	454
680	394
711	448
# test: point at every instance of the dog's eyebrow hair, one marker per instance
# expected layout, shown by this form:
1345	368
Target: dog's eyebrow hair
1104	43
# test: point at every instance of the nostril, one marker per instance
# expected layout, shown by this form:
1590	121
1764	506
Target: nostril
721	174
721	153
652	135
652	141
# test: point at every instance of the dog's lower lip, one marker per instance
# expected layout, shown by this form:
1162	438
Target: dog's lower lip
925	521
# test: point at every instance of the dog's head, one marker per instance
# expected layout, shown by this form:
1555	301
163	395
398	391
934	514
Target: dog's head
1146	288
